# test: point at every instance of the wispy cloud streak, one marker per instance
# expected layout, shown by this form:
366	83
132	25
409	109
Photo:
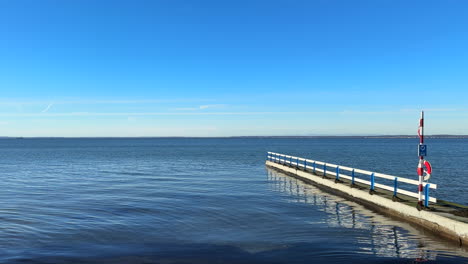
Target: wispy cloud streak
47	108
211	106
201	107
4	101
149	114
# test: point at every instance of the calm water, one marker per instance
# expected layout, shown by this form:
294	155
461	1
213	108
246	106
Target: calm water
209	201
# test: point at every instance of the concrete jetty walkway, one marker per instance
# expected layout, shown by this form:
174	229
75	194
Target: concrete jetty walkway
443	218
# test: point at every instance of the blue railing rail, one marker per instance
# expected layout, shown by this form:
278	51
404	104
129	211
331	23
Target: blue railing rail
326	169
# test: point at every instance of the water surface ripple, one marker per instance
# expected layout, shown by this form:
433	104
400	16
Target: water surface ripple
208	201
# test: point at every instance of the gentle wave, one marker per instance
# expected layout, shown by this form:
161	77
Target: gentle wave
191	201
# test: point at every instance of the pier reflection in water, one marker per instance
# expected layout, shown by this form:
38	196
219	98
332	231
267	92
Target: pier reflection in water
382	236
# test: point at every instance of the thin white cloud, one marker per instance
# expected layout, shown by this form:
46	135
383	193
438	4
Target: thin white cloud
211	106
201	107
189	112
6	102
400	111
433	110
149	114
185	109
47	108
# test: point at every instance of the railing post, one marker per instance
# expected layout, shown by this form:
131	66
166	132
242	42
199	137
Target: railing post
297	163
352	177
372	186
324	170
395	187
290	161
314	166
426	195
337	178
305	165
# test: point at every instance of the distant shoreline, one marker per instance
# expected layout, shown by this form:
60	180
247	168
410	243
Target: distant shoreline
318	137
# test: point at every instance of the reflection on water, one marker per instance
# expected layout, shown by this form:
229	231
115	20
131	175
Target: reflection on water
384	237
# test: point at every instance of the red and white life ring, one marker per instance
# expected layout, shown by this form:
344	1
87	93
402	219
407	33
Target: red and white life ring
424	167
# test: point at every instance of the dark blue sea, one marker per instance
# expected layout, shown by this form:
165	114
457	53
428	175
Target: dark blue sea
208	200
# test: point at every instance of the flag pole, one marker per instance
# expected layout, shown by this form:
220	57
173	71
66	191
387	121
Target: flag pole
421	161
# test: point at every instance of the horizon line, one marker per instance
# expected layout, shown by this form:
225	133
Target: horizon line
251	136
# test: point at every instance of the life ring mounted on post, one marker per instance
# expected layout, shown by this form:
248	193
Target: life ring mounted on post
424	169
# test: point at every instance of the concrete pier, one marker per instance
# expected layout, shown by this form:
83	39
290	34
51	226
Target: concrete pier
440	218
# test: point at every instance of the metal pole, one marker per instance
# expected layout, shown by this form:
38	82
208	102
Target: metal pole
421	161
426	195
395	187
372	186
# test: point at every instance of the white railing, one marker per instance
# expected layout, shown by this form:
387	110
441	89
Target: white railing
323	168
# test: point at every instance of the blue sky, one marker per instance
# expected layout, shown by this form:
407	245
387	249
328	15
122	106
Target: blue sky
230	68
